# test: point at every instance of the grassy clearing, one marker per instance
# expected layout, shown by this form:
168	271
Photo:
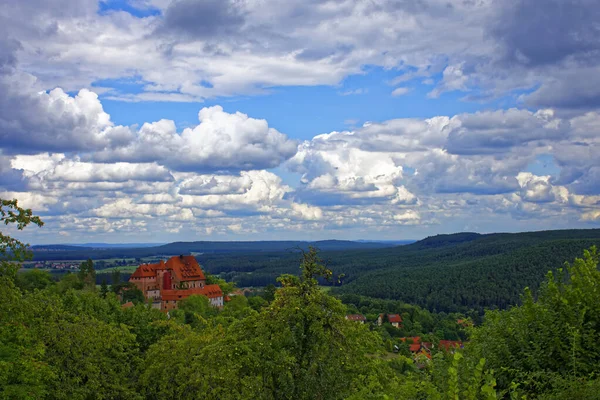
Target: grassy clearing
125	268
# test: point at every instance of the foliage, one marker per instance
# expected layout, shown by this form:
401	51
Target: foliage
34	279
87	274
555	336
12	249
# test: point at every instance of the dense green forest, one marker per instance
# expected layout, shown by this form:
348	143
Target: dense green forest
71	340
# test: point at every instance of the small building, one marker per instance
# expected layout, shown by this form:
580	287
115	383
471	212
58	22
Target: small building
414	343
395	320
356	317
167	283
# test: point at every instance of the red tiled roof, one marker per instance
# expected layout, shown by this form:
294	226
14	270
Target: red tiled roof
355	317
210	291
129	304
449	344
414	347
186	268
394	318
147	270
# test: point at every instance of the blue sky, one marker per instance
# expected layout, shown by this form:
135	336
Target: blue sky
301	111
160	120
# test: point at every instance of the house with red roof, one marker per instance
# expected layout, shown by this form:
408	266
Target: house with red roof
167	283
414	343
395	320
356	317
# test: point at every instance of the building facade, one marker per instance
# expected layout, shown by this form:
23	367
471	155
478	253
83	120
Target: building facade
165	284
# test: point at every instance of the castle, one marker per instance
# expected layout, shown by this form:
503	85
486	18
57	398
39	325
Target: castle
167	283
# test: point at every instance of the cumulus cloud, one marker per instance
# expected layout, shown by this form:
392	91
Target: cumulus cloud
54	121
494	131
33	121
201	19
263	189
538	189
304	211
535	34
58	168
221	141
194	50
427	166
329	166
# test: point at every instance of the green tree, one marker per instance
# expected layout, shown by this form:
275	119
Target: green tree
540	343
68	282
87	274
22	373
115	277
33	279
103	288
133	294
269	292
13	251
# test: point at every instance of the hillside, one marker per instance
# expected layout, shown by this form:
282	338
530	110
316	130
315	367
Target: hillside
457	272
69	252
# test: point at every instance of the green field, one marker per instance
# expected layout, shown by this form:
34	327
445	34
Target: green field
125	269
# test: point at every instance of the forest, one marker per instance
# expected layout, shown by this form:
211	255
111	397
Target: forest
72	340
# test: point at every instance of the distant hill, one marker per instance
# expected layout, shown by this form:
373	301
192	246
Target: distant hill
58	247
70	252
115	245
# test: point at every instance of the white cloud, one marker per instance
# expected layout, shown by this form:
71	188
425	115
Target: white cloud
221	141
538	189
400	91
304	211
57	168
55	121
263	189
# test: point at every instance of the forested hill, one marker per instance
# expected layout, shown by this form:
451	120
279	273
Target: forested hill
464	270
67	252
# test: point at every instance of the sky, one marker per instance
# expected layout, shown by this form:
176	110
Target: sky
167	120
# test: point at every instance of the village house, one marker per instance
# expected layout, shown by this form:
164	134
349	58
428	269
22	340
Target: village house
356	317
395	320
414	343
167	283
